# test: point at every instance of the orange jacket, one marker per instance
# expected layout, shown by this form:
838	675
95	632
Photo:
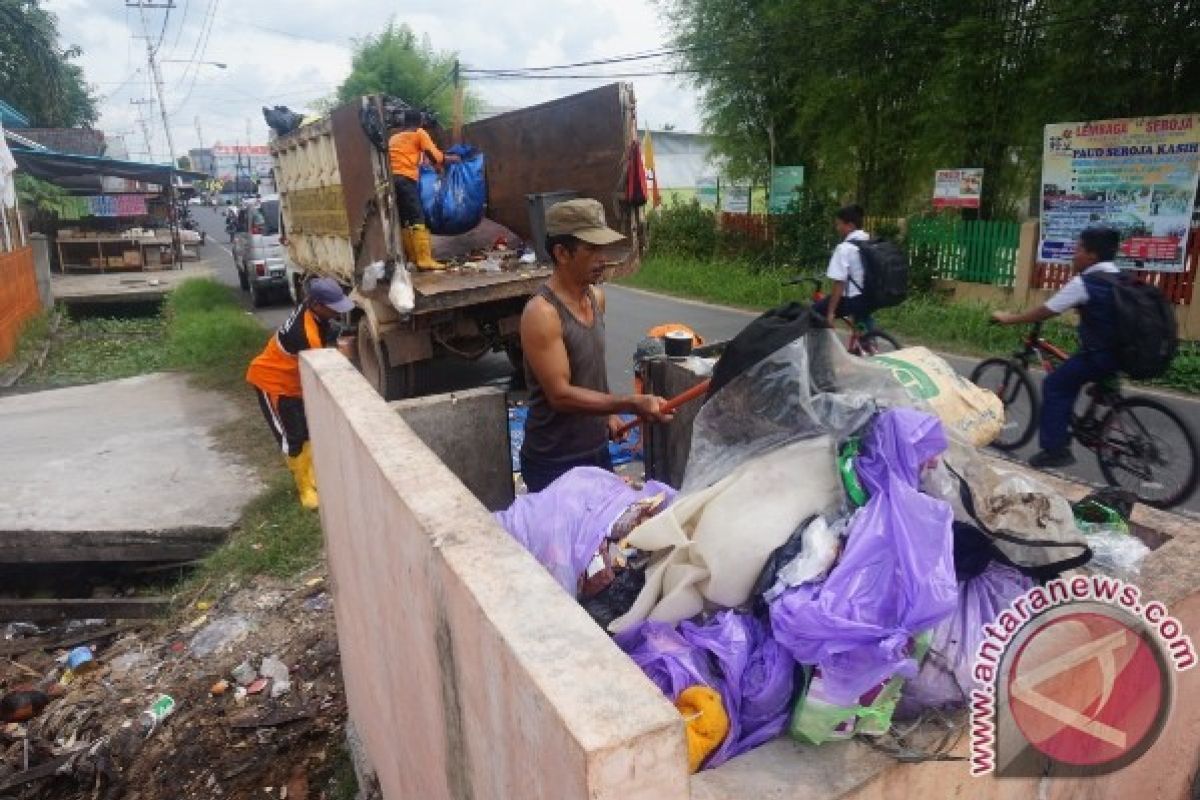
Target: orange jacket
276	370
405	150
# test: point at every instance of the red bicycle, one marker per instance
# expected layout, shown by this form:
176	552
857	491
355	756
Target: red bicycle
1142	445
863	341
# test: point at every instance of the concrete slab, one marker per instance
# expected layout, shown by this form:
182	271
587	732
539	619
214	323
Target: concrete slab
124	287
124	470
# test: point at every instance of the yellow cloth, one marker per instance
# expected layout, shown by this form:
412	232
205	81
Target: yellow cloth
706	721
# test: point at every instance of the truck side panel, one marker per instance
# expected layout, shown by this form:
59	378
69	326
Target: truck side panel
314	213
576	143
361	168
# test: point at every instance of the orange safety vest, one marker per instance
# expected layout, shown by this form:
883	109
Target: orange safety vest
405	150
276	370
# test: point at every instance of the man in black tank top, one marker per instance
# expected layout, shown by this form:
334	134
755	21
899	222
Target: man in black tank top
572	414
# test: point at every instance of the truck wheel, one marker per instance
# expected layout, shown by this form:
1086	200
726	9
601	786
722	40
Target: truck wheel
517	358
392	383
259	297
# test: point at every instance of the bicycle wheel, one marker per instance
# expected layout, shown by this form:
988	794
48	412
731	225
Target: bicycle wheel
1147	449
1009	381
872	343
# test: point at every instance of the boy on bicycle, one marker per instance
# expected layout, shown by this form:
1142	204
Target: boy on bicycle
1093	296
846	271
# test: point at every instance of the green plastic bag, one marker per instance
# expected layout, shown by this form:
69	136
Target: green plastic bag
816	721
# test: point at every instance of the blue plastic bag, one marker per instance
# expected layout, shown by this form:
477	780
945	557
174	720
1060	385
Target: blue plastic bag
564	524
454	201
894	580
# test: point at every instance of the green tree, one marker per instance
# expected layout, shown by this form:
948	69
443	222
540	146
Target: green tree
183	162
37	76
395	62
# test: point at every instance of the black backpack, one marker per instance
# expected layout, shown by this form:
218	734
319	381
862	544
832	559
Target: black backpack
885	273
1145	335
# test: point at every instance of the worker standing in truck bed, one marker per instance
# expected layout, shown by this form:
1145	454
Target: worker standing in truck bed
408	145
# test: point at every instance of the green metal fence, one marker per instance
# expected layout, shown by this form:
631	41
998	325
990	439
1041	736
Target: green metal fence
975	251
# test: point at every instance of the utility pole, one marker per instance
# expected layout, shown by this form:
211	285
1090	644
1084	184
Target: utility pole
199	135
142	124
172	198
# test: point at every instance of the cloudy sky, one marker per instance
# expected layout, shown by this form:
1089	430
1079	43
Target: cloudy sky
293	51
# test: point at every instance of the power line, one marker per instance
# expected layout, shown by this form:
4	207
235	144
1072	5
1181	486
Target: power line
187	4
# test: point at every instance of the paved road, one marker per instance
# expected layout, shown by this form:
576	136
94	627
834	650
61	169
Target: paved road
630	314
217	251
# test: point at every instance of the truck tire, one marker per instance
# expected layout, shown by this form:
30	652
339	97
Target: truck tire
243	281
392	383
516	357
259	297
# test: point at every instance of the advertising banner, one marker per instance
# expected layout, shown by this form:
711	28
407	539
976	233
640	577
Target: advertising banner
1135	175
735	199
957	188
786	183
706	192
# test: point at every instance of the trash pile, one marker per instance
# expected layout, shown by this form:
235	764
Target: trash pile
836	547
244	700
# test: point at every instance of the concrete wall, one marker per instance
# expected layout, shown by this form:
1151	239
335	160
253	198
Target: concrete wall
482	460
469	673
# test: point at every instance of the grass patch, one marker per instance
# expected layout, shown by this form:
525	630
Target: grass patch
93	350
725	282
926	319
276	536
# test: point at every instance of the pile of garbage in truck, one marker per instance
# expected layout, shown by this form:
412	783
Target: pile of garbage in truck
835	550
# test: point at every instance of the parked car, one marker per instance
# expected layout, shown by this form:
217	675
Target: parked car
258	252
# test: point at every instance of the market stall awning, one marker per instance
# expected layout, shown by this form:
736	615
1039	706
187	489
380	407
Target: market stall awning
55	167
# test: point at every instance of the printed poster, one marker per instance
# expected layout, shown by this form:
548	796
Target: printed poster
736	200
1136	175
706	192
957	188
786	183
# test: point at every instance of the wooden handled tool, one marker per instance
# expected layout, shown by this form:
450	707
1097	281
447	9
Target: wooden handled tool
675	402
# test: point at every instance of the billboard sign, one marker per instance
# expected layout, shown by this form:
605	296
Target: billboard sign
1136	175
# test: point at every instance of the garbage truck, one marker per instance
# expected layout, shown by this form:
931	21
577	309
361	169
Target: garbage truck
340	221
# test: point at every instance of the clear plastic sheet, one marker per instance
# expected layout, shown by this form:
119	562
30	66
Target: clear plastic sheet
809	387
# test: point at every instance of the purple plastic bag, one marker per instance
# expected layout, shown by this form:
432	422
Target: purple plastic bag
946	676
564	524
732	653
894	580
899	442
758	675
669	660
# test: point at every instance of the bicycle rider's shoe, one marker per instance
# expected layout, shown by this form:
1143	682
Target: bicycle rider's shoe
1051	459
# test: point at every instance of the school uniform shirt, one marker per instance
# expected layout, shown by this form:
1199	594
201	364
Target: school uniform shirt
405	149
1075	293
846	264
276	370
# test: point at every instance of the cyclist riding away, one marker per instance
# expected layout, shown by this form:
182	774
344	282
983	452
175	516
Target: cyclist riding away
846	272
1092	293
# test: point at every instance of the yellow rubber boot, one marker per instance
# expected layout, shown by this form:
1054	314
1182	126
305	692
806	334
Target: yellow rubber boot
423	244
406	241
302	473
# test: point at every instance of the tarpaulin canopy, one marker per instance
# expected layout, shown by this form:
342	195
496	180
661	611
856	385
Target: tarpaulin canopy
56	167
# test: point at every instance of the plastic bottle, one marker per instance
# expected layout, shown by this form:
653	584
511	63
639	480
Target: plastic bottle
162	707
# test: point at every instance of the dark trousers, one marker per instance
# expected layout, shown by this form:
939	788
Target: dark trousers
540	472
286	419
408	201
1060	390
848	308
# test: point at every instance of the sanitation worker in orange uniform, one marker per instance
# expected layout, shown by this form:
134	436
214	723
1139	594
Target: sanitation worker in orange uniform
275	374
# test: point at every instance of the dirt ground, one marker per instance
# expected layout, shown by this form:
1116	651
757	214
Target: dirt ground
89	743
